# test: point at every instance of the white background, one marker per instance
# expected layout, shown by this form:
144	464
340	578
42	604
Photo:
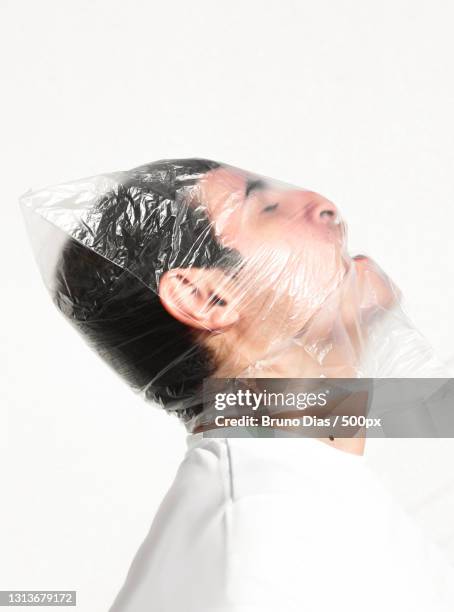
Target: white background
350	98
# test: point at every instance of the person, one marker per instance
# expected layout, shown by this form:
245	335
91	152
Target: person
187	270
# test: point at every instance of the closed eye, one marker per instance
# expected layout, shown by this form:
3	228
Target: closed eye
270	207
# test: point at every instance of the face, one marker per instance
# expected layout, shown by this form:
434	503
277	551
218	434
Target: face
247	207
293	241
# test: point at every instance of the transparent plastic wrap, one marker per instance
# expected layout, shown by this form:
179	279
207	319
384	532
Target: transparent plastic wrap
181	270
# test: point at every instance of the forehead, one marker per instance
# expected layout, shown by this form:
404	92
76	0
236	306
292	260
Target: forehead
221	185
223	191
226	181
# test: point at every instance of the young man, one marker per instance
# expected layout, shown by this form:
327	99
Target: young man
189	269
182	270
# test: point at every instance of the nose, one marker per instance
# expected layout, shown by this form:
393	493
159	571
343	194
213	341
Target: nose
318	209
324	212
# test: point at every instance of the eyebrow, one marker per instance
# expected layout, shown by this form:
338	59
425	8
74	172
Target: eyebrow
254	185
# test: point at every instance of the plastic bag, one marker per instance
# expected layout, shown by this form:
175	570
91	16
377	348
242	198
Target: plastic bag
182	270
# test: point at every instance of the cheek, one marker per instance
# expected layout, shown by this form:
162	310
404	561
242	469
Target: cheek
304	273
317	256
298	266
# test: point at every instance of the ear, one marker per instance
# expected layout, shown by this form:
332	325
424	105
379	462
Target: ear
198	297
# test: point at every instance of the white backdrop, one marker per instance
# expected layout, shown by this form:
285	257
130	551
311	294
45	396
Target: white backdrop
352	98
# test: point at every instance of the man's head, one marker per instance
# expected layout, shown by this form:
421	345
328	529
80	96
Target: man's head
291	241
190	268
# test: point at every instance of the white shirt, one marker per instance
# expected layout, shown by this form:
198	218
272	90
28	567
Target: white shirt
286	524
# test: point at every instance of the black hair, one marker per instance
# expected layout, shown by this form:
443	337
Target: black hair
108	290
